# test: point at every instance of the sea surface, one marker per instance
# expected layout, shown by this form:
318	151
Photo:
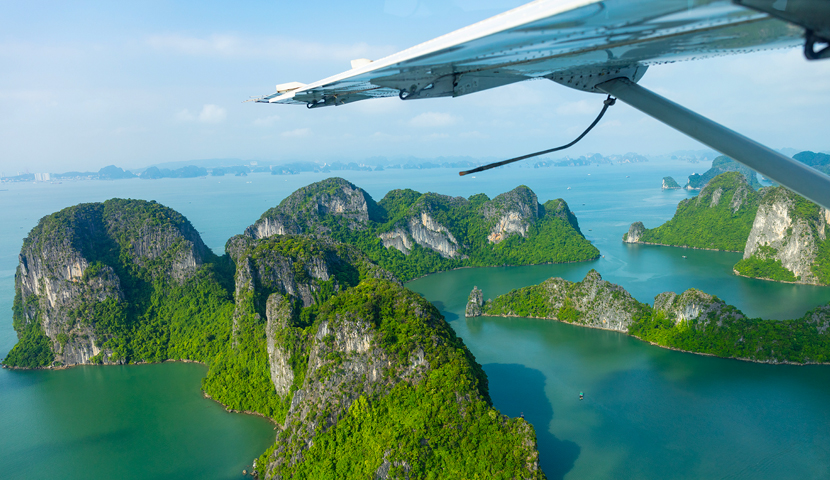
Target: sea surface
648	412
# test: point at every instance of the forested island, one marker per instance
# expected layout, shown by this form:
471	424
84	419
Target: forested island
783	236
412	234
692	321
297	325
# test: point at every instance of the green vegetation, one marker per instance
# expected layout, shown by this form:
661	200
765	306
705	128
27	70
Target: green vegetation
151	291
670	183
158	318
715	219
441	426
553	238
819	161
797	341
721	329
764	265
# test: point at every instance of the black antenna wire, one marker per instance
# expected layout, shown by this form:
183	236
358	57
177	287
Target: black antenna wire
605	104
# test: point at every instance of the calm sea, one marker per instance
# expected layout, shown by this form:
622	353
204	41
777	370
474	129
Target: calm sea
647	412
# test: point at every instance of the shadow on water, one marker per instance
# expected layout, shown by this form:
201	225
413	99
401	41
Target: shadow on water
521	390
449	315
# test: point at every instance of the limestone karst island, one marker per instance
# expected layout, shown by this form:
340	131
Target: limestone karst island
303	320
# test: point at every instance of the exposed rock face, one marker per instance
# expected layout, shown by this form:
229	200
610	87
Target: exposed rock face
718	218
427	232
474	303
350	367
670	184
398	239
634	232
514	212
592	302
695	306
302	211
66	265
270	265
443	232
790	229
278	312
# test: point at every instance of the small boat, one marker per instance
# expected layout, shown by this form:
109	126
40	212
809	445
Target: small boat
581	396
684	256
569	188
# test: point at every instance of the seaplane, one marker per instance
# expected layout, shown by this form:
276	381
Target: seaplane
599	47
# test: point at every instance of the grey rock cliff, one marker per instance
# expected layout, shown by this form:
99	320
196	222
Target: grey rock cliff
62	267
302	211
512	212
695	306
474	303
779	232
635	231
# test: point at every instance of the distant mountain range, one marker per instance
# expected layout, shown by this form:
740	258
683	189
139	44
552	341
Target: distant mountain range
237	167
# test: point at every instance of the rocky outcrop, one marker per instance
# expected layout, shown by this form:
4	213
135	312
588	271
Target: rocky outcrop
72	263
791	230
474	303
442	232
593	302
635	231
303	210
670	184
425	231
279	313
357	358
695	306
511	213
398	239
718	218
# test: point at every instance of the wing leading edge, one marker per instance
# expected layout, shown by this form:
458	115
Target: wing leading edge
547	38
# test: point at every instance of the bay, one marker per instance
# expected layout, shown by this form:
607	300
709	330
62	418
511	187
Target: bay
646	408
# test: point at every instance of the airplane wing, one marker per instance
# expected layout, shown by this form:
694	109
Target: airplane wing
601	46
552	39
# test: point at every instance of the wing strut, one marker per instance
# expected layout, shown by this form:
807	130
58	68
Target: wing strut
794	175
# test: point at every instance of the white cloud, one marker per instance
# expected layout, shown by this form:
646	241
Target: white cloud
296	133
266	121
433	120
234	46
212	114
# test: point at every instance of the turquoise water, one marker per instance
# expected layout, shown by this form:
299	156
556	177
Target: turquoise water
647	412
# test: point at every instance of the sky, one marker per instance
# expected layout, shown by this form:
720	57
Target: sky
87	84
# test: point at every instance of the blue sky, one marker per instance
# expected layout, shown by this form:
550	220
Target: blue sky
88	84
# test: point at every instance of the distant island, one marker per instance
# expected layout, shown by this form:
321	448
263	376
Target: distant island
670	184
783	236
723	164
692	321
299	328
236	167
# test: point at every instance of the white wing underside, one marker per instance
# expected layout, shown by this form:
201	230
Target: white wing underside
548	38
